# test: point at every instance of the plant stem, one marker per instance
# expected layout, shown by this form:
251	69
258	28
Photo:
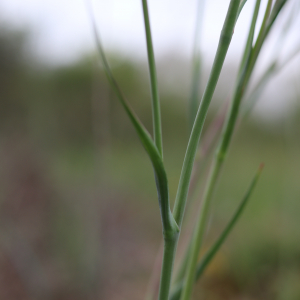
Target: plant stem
271	71
170	246
200	227
223	46
170	234
205	260
196	65
199	231
153	81
170	240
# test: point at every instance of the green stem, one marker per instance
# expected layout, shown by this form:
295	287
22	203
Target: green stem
196	65
170	246
246	69
273	69
168	222
170	228
193	101
200	227
208	143
219	242
263	32
223	46
209	255
153	81
258	88
199	231
171	243
243	2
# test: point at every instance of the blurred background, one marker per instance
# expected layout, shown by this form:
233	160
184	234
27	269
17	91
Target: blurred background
79	217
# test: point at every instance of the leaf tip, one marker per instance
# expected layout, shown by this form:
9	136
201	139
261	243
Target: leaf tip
261	167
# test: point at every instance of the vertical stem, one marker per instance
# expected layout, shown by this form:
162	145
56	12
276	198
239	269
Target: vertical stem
170	246
205	260
196	65
214	173
153	81
186	172
200	230
171	236
193	101
243	79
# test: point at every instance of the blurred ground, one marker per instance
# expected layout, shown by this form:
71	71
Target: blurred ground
79	214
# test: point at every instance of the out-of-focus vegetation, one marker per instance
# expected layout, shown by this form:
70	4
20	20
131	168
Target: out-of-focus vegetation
73	179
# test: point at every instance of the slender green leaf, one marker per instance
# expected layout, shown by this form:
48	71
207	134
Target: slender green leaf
243	2
246	69
258	89
242	81
209	140
216	246
285	29
273	69
169	224
180	201
278	6
249	43
223	46
209	255
263	32
153	81
196	65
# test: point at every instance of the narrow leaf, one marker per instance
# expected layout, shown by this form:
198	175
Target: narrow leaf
180	201
186	172
207	258
258	89
153	81
273	69
168	221
278	6
249	43
196	65
243	2
263	32
216	246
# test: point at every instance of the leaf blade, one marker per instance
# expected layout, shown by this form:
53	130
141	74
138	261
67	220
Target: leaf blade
153	82
169	224
209	255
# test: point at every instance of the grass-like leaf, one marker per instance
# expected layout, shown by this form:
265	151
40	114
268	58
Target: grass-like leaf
157	132
201	223
216	246
169	225
249	43
258	89
278	6
209	255
244	75
196	65
243	2
223	46
206	148
275	66
172	222
185	177
273	69
263	32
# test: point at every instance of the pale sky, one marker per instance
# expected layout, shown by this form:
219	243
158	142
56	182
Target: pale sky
62	30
